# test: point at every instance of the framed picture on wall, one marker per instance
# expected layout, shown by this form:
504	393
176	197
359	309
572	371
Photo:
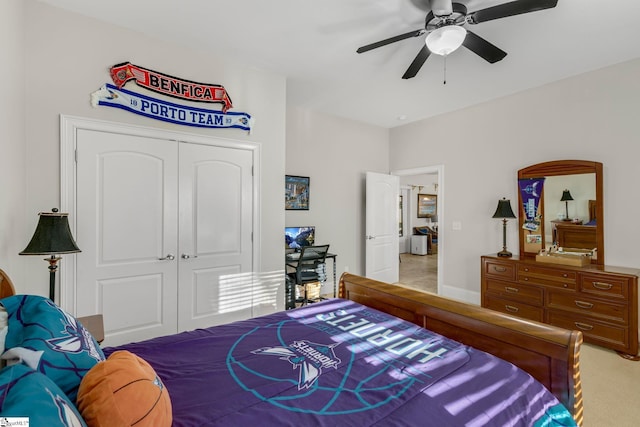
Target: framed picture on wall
427	205
296	193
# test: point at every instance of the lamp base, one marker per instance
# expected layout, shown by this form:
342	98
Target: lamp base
505	253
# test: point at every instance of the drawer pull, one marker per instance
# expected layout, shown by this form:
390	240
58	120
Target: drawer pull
511	308
512	290
584	304
499	269
565	275
602	286
583	326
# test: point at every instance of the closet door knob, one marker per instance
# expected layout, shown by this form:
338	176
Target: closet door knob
187	256
169	257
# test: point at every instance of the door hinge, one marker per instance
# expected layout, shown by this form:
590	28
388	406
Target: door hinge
75	155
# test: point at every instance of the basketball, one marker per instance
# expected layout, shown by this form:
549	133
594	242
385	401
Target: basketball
124	390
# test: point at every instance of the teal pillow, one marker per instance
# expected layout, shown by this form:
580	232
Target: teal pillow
26	393
46	338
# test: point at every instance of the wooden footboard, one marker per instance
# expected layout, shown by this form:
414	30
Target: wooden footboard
549	354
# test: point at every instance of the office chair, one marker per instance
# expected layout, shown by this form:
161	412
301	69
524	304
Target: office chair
309	268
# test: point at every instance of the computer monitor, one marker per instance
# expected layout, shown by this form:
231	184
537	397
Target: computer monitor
297	237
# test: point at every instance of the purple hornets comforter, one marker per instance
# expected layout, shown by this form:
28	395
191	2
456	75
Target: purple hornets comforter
338	363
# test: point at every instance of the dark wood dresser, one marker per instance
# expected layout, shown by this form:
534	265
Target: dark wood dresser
600	301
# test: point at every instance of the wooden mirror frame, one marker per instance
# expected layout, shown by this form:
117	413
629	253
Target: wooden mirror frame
558	168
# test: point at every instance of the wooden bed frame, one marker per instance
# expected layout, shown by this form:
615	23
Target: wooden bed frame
550	354
576	236
6	285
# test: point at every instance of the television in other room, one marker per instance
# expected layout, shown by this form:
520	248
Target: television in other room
297	237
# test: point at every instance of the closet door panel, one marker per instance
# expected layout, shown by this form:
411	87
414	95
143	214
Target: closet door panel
216	220
127	225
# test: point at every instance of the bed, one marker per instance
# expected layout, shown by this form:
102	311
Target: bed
374	356
581	236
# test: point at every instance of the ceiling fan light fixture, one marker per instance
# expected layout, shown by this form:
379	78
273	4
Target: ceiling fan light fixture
446	39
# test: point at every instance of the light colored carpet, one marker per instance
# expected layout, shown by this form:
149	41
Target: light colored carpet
610	384
610	388
419	272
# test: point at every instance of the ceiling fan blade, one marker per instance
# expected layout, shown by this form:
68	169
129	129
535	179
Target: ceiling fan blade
417	63
483	48
390	40
509	9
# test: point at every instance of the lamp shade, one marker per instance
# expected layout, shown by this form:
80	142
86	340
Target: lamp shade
52	236
566	196
504	209
446	39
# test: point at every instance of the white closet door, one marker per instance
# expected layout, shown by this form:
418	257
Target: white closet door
216	208
127	228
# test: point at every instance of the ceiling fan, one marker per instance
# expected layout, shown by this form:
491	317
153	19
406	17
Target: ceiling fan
444	27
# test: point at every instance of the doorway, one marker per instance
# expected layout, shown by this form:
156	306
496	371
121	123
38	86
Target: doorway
413	267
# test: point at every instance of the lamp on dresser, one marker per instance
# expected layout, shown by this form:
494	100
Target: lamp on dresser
504	212
566	196
52	237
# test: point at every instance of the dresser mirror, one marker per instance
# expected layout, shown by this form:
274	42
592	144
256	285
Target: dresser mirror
561	202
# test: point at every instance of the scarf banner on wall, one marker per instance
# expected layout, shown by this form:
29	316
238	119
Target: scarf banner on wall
110	96
530	191
169	85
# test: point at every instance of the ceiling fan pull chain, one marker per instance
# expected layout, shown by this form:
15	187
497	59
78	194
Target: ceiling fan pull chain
445	70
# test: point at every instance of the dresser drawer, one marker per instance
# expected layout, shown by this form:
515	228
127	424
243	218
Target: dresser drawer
605	285
555	274
515	291
578	303
595	331
514	308
505	271
564	279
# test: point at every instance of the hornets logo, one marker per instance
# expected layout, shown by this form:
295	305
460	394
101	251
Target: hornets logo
309	358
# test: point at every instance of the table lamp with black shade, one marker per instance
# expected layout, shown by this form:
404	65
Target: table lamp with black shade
566	196
504	211
52	237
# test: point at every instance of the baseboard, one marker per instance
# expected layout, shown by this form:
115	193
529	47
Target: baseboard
471	297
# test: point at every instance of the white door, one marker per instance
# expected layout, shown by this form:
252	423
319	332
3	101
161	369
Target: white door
127	228
381	234
216	190
165	229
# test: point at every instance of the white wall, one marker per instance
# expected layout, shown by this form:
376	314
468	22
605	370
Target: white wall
593	116
12	139
68	56
335	153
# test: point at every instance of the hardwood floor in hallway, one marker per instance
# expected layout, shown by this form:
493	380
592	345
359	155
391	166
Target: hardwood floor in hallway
419	272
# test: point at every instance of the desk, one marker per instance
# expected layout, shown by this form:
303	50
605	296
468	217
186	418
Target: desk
292	261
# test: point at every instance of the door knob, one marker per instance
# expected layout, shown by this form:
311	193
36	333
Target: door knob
187	256
170	257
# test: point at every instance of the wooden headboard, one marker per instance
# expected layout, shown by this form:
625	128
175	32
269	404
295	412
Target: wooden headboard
550	354
576	236
6	286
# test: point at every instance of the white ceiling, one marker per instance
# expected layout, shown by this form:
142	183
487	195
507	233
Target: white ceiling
313	43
